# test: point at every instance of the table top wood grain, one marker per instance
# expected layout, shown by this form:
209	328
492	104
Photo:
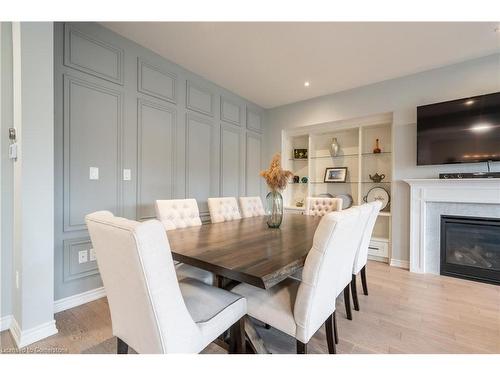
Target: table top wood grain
247	250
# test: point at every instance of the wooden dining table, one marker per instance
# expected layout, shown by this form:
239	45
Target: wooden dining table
247	251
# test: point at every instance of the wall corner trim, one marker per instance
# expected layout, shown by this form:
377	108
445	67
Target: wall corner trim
29	336
78	299
400	263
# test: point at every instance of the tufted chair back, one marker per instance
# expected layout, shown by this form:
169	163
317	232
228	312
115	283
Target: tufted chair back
135	262
178	213
251	206
327	270
223	209
321	206
373	208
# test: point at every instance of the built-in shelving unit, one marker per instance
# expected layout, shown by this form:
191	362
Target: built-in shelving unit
357	139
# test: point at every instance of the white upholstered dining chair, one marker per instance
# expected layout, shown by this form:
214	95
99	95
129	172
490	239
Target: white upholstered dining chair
182	213
362	254
319	206
223	209
151	311
300	307
251	206
178	213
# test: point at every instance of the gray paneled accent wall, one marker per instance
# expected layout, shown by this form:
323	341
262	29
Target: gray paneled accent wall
119	106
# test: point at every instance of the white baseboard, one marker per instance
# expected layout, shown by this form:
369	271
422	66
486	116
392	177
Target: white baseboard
29	336
5	322
400	263
78	299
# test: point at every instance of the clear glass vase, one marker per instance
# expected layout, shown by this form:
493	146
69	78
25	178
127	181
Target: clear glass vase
274	209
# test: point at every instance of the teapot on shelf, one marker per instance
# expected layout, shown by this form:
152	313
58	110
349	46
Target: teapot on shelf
377	177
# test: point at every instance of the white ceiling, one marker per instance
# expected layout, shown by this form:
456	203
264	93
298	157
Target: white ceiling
268	63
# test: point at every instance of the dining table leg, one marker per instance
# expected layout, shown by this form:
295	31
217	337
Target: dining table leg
254	340
255	343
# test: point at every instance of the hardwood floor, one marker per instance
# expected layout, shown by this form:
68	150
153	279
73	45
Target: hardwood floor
404	313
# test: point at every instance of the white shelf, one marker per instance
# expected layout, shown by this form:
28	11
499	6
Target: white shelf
292	208
357	140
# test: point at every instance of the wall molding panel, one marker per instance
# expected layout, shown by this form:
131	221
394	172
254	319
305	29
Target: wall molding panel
230	111
231	160
156	82
152	128
199	99
72	269
92	56
154	143
199	150
253	164
254	120
70	139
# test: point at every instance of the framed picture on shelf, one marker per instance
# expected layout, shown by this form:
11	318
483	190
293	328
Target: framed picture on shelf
300	153
338	174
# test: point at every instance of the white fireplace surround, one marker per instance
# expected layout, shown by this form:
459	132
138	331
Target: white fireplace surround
424	192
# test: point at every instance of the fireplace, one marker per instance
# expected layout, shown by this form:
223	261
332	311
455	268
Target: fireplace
470	248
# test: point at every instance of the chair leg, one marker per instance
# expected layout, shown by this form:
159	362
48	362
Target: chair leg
347	303
335	331
354	293
301	348
363	281
121	346
237	338
330	333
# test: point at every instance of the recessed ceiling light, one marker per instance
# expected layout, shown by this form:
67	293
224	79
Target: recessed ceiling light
469	102
306	83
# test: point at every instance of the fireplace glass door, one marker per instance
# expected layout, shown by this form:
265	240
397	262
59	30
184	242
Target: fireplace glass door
470	248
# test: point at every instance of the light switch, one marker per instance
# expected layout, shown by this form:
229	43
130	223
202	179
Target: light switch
83	256
127	175
92	255
93	173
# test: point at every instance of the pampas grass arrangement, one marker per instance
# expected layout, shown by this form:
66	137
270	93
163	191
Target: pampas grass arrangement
276	177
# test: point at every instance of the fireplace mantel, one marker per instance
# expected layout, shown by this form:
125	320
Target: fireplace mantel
424	191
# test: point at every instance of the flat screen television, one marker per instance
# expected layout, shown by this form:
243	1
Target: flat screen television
459	131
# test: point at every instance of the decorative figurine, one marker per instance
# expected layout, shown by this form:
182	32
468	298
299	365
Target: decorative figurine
377	149
377	177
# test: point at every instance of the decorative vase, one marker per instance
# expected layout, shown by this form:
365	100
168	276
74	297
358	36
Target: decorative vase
377	149
274	203
334	147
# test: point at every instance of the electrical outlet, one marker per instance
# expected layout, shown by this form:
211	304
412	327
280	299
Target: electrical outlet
83	256
92	255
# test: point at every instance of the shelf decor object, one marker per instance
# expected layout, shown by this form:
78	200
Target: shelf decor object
378	194
334	147
276	179
377	177
336	175
346	200
377	149
300	153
